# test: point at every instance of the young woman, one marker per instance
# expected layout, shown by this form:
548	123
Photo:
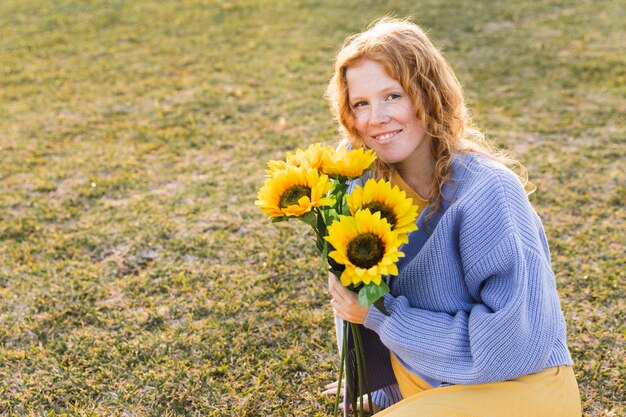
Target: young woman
475	326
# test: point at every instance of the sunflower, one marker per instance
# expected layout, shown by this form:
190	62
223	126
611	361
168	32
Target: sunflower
392	204
311	157
293	191
366	246
274	165
347	163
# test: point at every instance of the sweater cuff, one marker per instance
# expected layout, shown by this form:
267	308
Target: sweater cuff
376	318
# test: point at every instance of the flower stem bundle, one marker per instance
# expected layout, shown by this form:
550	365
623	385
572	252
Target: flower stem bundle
359	234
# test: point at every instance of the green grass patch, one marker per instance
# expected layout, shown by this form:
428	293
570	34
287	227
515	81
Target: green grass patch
136	275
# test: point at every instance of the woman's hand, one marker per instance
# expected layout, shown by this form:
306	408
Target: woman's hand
345	302
331	390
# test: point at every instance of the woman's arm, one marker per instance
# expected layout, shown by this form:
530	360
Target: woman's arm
492	341
509	323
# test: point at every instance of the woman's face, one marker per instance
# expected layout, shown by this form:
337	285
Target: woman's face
384	115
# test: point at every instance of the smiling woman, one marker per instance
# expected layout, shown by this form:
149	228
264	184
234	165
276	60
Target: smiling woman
475	326
385	117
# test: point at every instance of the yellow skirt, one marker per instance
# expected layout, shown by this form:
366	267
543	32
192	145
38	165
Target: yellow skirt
549	393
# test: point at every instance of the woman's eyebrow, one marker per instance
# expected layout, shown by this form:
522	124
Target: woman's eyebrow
386	90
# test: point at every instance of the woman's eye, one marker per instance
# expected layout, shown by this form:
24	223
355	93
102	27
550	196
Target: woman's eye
393	96
359	104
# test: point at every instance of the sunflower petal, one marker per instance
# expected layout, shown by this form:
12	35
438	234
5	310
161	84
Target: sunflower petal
363	225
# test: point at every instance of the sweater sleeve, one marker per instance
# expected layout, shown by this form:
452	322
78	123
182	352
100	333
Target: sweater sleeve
512	324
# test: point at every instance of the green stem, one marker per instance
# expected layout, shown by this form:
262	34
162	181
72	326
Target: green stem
349	387
342	363
365	375
380	304
359	364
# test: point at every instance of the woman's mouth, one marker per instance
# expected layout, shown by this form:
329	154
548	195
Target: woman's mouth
386	136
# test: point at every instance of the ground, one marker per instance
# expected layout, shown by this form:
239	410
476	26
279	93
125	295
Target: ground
137	278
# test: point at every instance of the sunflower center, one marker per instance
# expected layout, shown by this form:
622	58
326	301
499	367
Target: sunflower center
294	193
385	212
366	250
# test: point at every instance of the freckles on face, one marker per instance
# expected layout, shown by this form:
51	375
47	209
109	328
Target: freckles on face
383	113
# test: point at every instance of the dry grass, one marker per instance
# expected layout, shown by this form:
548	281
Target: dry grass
136	275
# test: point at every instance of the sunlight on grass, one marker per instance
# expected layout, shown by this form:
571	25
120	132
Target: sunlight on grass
136	275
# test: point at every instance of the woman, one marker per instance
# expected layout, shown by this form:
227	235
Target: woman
475	326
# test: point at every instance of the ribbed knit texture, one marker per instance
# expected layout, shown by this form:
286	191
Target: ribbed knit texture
476	300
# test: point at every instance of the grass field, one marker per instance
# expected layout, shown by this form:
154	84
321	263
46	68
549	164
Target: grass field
137	278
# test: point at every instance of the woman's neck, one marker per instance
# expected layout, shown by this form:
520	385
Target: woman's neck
418	174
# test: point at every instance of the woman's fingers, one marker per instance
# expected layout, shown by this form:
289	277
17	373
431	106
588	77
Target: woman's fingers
333	281
337	291
332	385
331	389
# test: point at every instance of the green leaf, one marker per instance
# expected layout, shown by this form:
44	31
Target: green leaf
309	218
370	293
331	216
325	250
321	223
280	219
339	186
345	210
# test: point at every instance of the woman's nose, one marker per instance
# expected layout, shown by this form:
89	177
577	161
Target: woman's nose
378	116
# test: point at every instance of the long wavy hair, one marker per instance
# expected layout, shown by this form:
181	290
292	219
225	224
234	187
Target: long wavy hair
410	58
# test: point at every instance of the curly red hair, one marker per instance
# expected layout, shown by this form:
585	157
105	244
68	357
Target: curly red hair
410	58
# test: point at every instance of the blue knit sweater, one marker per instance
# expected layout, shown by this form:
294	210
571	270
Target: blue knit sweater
475	300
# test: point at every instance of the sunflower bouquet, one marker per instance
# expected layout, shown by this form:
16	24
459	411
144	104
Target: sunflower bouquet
358	233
